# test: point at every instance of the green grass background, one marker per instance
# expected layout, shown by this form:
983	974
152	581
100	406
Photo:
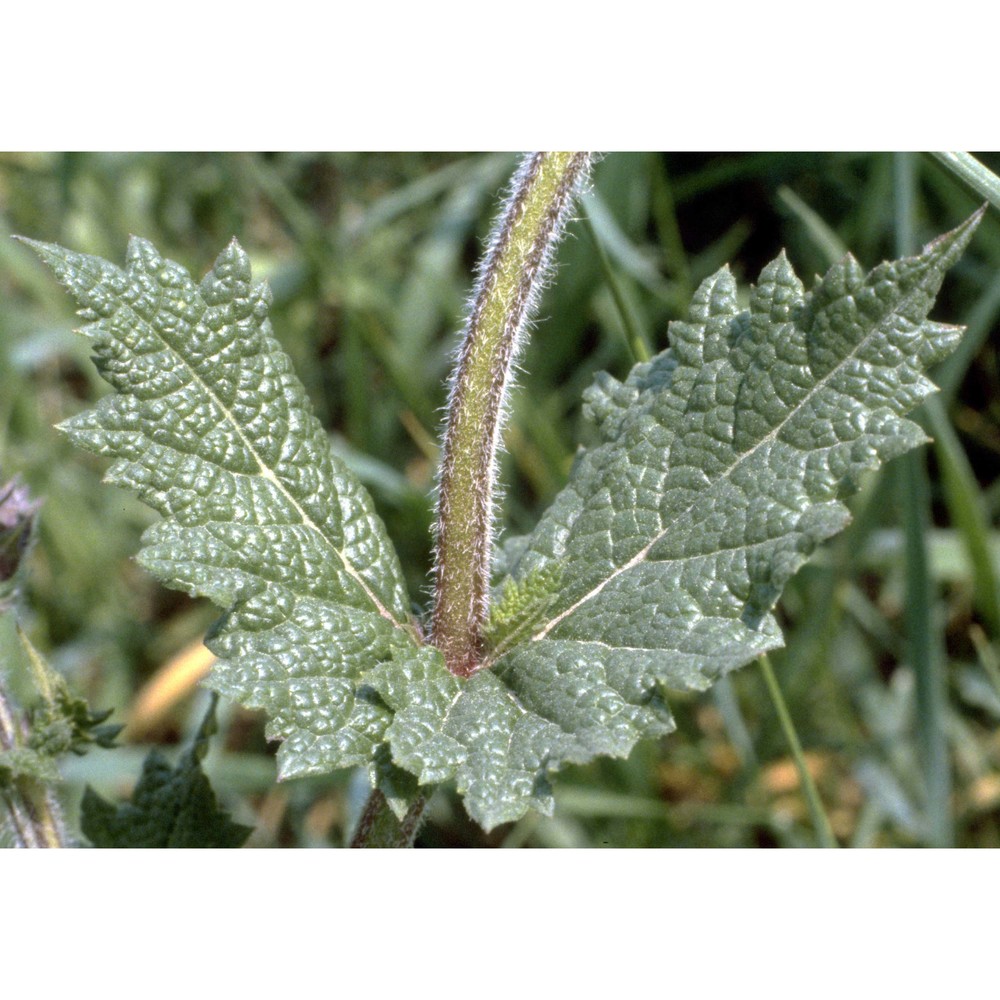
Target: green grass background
892	668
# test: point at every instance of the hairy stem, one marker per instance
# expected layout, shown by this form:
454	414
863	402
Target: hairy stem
32	812
512	272
378	826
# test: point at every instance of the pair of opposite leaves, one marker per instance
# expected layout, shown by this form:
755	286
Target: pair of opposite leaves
719	466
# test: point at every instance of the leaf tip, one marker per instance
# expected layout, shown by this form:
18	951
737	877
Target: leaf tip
49	252
951	244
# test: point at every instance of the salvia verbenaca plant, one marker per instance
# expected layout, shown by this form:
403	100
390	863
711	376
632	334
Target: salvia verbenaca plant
32	742
719	466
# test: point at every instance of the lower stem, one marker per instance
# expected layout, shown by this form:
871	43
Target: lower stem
33	815
32	811
379	827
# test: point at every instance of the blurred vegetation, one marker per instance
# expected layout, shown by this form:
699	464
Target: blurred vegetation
892	669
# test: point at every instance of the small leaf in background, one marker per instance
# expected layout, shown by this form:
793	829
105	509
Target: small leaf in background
62	723
170	807
58	724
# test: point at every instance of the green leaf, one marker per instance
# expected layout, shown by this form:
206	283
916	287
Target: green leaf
58	724
69	726
211	428
170	807
62	723
723	463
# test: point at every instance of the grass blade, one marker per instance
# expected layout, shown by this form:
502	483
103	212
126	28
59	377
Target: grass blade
924	644
824	832
965	506
982	180
924	652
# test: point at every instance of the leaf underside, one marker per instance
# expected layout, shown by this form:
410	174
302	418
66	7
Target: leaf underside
721	464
